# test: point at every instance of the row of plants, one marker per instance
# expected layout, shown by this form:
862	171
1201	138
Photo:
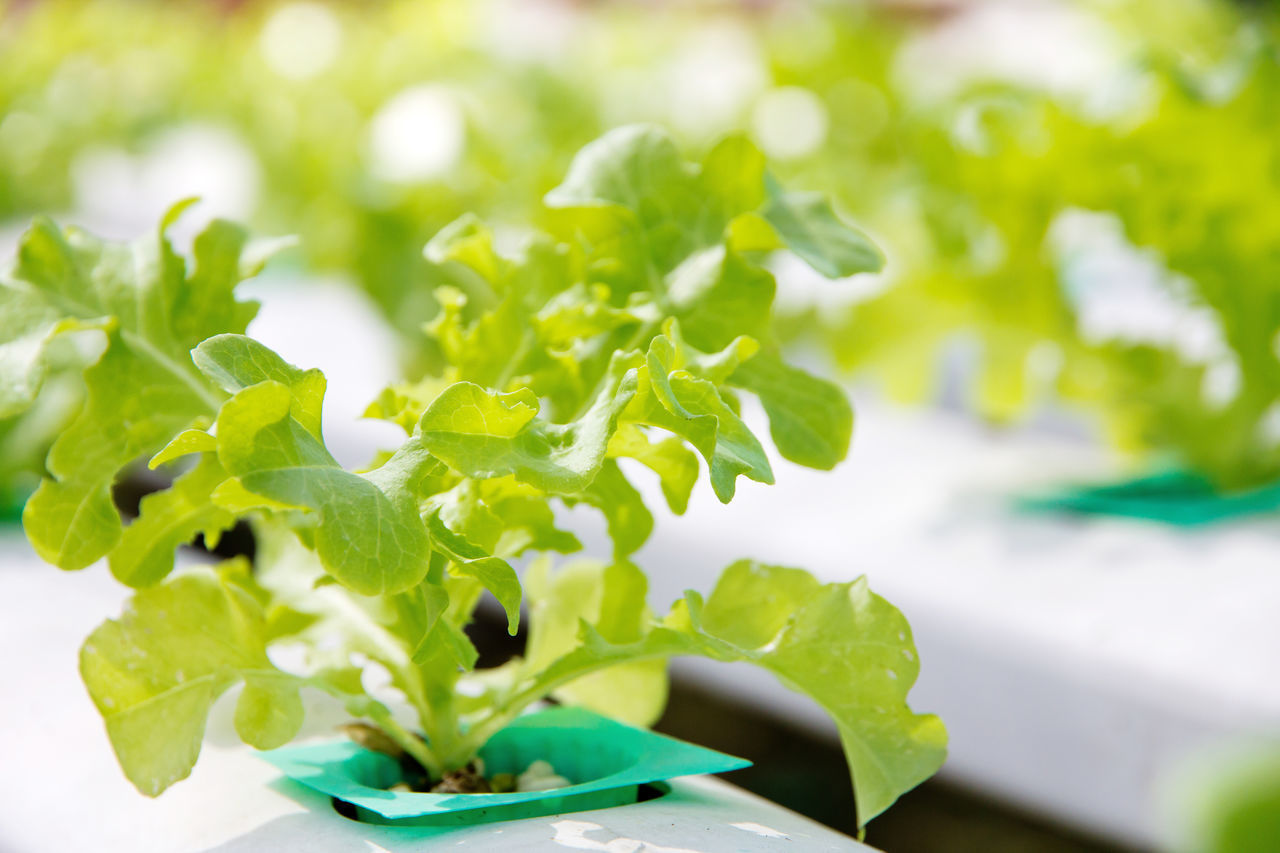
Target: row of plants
1120	262
624	335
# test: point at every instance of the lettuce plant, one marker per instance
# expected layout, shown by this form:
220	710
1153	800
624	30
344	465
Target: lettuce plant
625	334
1184	179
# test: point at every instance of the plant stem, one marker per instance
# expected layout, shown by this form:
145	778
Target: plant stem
496	720
363	706
408	741
443	732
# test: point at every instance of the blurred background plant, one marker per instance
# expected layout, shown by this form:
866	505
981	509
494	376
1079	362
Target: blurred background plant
1225	799
1113	250
1086	217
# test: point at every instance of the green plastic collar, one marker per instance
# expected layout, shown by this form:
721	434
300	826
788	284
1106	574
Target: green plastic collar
605	760
1174	497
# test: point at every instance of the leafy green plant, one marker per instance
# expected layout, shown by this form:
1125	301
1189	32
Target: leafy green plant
1225	798
624	334
1184	178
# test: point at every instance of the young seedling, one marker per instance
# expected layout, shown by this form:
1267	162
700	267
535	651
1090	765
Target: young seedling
627	331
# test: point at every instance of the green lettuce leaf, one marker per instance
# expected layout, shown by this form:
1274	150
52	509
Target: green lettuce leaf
367	532
152	310
169	519
472	561
840	644
810	419
268	449
612	599
155	673
719	296
629	520
807	225
485	434
669	458
671	397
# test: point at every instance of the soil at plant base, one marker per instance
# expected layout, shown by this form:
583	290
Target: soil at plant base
465	780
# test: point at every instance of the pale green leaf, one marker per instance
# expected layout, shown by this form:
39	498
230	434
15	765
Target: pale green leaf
235	362
733	176
527	520
168	519
465	514
612	599
840	644
184	444
467	242
269	711
485	434
468	411
810	419
473	561
152	310
628	519
808	226
438	644
675	400
500	579
368	533
581	311
718	296
155	673
404	403
669	458
633	182
634	692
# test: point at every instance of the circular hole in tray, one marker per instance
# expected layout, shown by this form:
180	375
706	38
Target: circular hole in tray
646	792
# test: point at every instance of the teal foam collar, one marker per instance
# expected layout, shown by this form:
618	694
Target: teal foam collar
605	760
